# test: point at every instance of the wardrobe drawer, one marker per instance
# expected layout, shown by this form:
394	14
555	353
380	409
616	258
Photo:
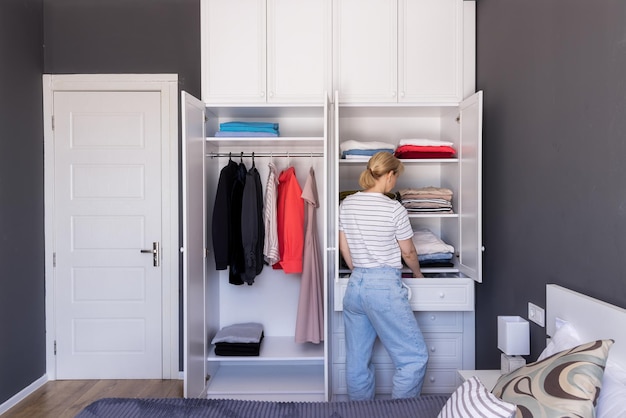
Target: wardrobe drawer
445	350
455	294
441	294
435	381
440	321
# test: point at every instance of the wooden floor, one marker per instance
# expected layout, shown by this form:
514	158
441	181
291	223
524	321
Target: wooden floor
65	398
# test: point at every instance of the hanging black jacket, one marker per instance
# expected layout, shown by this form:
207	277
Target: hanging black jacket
252	226
237	262
221	221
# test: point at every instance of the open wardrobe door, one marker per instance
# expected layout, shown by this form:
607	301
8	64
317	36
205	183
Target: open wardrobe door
194	246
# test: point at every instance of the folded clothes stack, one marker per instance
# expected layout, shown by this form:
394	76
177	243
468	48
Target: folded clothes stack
239	340
431	250
426	199
248	129
424	148
363	150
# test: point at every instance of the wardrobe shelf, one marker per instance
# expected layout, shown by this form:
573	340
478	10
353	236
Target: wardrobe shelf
424	270
277	349
433	215
268	142
411	161
270	382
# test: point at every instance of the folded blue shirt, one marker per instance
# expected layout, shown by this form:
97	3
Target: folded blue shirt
369	152
247	125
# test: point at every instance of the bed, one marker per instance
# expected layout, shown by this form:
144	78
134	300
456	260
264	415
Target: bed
586	348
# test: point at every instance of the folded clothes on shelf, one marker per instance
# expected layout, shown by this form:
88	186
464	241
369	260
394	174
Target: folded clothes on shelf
239	340
364	149
248	127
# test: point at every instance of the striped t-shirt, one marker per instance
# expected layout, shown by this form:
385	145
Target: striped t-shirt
373	223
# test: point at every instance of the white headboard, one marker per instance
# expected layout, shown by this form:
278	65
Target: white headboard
593	319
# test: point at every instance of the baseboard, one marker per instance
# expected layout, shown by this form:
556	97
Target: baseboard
21	395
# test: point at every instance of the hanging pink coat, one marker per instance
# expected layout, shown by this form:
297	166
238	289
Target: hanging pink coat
310	319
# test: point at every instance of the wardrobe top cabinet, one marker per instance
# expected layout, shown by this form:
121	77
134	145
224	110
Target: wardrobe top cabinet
398	51
266	51
372	51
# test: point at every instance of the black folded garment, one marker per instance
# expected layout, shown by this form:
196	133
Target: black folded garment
238	349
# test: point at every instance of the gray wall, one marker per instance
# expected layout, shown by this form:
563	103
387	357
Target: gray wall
121	36
22	318
554	76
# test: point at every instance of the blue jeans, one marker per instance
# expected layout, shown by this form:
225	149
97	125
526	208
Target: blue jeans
376	304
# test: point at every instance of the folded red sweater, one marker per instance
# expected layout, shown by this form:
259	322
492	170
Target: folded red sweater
418	151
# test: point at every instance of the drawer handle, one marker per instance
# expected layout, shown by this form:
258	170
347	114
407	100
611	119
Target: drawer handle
442	295
433	349
433	317
431	379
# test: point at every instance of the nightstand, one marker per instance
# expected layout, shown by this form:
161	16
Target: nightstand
487	377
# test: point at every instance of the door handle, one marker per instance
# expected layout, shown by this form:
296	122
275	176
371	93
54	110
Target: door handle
156	253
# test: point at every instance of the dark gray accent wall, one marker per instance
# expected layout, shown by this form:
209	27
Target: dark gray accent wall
22	309
121	36
554	174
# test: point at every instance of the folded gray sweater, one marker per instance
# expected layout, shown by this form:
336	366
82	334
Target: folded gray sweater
249	332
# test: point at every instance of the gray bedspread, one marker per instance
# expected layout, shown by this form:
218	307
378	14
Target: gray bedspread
427	406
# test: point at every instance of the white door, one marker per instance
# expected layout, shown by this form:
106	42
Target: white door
107	220
194	254
233	51
430	51
298	50
365	42
470	197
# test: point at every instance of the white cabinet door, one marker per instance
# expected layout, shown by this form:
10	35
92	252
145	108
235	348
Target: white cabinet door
233	51
470	193
298	50
193	216
430	51
258	51
365	50
408	51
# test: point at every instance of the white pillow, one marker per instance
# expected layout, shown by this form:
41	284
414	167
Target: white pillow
472	399
612	399
564	338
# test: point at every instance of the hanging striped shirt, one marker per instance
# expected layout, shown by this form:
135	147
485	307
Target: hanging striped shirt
373	223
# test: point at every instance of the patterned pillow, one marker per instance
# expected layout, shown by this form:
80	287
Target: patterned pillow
472	399
564	384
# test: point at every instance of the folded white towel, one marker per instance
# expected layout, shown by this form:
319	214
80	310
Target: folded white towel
425	142
352	144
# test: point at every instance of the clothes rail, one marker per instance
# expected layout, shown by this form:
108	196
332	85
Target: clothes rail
264	154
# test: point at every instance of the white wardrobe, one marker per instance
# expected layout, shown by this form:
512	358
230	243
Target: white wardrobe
279	61
284	368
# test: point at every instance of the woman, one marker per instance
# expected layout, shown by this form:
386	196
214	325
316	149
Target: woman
374	235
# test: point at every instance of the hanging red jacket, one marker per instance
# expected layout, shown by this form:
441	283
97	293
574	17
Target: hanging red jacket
289	222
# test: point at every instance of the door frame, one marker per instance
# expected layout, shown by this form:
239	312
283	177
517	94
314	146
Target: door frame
167	85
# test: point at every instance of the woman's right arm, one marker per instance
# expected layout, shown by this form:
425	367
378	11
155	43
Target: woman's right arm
409	255
345	251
